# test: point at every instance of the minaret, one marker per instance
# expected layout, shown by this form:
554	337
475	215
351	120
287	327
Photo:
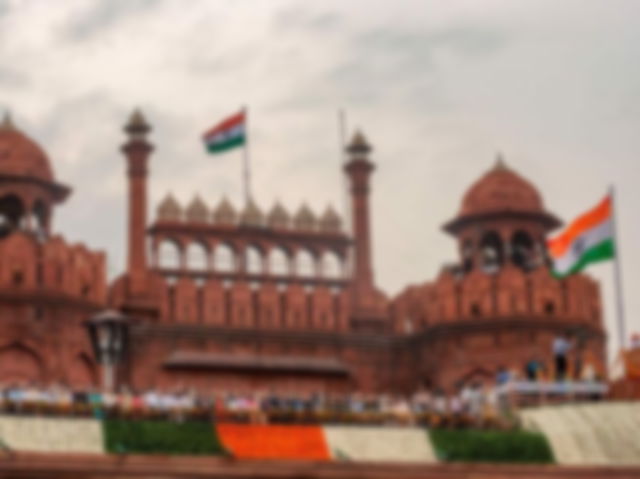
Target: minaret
359	169
137	150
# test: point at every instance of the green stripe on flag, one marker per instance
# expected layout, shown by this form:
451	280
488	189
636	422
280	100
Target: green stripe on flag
600	252
219	147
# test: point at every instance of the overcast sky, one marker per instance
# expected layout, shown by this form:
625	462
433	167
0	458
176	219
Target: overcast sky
438	88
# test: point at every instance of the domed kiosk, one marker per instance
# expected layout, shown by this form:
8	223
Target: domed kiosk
47	286
499	306
28	190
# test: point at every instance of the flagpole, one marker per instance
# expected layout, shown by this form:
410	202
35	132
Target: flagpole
246	173
617	271
342	132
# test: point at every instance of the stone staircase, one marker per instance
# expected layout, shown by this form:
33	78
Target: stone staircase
593	434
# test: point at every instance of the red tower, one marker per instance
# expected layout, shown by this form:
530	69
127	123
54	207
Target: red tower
48	287
368	311
138	297
499	306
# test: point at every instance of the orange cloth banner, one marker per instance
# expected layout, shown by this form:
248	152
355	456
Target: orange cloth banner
249	441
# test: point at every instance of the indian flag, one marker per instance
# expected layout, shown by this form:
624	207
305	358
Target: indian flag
227	134
588	239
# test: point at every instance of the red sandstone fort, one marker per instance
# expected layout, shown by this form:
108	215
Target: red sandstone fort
234	299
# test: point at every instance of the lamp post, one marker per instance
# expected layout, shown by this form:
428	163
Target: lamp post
108	332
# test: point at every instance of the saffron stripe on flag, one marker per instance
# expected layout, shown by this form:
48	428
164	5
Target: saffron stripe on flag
559	245
228	123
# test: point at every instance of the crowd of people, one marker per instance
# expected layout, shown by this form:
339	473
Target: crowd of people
475	403
472	405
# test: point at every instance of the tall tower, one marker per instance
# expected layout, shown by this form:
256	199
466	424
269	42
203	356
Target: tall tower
367	302
137	150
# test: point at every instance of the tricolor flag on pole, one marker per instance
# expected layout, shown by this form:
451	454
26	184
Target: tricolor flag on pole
227	134
588	239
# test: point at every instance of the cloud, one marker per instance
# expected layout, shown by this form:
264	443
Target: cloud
100	16
301	18
437	87
13	78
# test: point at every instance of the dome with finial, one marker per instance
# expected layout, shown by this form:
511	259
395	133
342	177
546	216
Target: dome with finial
359	143
252	215
169	209
20	156
197	211
225	213
137	123
278	217
330	221
304	219
501	189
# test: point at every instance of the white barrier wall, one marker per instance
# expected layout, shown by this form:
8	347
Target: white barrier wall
597	433
51	434
384	444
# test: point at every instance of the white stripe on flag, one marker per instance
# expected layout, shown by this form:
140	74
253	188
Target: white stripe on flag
581	244
226	135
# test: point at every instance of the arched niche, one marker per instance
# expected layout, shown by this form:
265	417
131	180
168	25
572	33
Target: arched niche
254	260
224	258
279	262
523	250
19	364
305	263
12	213
332	265
197	256
169	254
492	252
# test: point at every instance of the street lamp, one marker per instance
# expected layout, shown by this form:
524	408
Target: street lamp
108	331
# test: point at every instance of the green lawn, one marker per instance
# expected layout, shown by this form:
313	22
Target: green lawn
161	437
452	445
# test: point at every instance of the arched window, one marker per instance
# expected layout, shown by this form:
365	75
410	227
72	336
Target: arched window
169	254
331	265
522	250
197	256
253	260
224	258
492	252
279	262
305	263
11	214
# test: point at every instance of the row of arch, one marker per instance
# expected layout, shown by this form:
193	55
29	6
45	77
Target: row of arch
492	252
252	260
14	215
241	304
22	365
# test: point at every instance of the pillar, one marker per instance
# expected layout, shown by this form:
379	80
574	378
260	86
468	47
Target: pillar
359	170
137	150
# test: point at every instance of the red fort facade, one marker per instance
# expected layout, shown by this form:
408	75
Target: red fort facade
226	299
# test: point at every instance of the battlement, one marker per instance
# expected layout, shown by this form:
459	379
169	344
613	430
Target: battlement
249	245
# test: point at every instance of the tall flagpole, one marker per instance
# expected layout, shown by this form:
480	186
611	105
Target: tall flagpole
342	133
246	172
617	271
